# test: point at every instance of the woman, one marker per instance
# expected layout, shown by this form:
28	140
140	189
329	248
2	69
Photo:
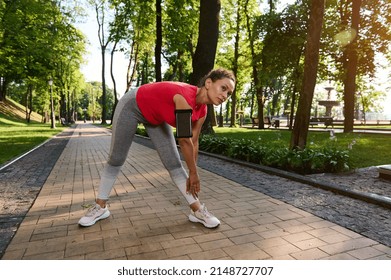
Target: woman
159	106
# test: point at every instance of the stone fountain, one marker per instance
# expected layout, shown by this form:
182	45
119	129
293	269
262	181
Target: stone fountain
329	104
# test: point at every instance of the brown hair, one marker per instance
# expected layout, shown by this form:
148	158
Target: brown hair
218	74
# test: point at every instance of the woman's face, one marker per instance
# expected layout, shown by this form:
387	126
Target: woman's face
219	90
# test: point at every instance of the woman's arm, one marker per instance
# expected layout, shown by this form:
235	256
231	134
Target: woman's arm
189	148
193	182
196	128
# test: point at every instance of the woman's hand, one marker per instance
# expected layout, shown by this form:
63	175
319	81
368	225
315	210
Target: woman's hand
193	185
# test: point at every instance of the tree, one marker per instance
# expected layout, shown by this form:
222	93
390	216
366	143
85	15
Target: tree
235	60
368	99
300	129
180	37
351	69
115	30
205	53
253	58
279	65
38	42
101	10
355	32
234	53
134	30
159	41
36	38
119	30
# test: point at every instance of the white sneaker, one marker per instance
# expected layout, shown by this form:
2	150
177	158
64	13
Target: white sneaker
93	215
204	217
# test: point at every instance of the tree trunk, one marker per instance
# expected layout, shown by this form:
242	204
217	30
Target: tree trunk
131	74
295	86
311	60
293	102
113	79
29	103
261	104
159	40
351	70
204	56
104	105
128	75
68	106
235	66
103	46
2	89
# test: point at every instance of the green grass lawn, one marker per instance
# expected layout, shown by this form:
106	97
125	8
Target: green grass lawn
18	137
366	149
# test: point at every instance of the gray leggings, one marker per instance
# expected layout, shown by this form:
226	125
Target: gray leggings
126	118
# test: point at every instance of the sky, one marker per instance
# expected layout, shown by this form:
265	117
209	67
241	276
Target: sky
92	68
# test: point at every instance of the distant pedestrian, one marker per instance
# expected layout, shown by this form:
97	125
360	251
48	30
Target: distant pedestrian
160	106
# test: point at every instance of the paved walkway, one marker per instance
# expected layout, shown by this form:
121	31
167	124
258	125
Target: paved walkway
149	216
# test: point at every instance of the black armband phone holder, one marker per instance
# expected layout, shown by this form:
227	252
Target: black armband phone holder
183	123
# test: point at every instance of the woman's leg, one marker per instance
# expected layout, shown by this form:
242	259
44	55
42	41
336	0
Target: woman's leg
163	139
124	127
123	130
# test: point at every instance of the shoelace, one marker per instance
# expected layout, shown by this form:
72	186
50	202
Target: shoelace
204	211
92	211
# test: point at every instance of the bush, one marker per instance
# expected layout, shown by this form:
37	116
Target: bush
215	145
141	131
242	149
307	161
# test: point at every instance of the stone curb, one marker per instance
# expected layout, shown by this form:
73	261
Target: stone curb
373	198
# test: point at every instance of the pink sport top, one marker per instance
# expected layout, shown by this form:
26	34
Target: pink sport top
156	101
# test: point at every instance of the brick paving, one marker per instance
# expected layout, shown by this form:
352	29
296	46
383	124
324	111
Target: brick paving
149	216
